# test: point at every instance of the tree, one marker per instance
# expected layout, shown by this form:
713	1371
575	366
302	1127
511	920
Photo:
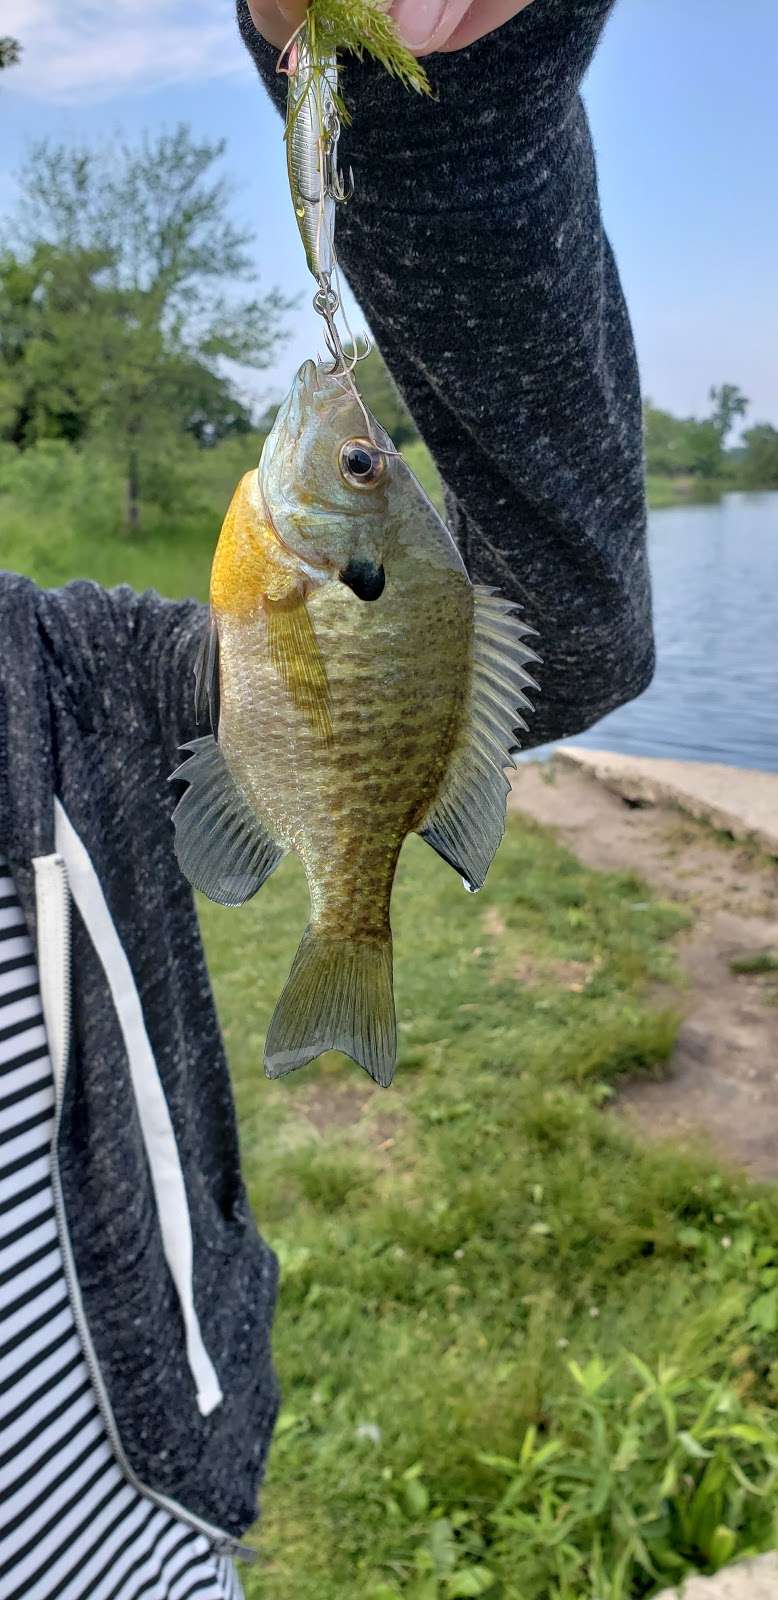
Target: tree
729	403
139	352
759	465
690	445
702	447
666	443
10	52
50	317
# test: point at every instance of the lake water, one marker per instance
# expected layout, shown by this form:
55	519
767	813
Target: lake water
715	693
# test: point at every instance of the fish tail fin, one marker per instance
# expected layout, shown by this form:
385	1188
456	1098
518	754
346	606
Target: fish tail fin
338	996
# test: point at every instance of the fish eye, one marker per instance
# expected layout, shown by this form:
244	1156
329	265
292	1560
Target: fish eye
361	464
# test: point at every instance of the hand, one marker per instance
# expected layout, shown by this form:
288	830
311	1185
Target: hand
425	25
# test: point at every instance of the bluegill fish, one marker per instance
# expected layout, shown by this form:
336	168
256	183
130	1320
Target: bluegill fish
360	689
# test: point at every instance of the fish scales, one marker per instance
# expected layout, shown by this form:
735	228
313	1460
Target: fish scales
397	692
366	690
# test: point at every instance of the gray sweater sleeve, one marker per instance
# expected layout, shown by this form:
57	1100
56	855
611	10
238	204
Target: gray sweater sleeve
131	655
475	246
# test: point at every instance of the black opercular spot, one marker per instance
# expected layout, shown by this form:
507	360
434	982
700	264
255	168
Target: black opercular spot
365	579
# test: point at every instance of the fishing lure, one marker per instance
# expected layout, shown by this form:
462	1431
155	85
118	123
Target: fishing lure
316	185
311	136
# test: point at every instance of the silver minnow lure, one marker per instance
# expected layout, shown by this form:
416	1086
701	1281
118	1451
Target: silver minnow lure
312	129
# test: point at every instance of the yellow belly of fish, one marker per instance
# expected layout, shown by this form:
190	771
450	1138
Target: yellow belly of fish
397	671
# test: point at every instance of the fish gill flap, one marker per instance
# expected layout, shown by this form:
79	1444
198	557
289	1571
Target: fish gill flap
221	846
466	822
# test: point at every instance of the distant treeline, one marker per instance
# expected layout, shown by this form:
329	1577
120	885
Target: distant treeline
695	449
118	343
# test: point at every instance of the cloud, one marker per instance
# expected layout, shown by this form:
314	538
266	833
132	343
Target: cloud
86	50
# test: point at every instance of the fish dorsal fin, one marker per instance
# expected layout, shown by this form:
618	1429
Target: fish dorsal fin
466	822
207	676
221	846
296	657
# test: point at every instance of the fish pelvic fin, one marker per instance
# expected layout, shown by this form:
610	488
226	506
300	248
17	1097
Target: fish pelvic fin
221	846
338	996
296	657
466	821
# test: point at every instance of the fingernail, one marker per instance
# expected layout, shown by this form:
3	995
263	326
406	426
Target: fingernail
418	20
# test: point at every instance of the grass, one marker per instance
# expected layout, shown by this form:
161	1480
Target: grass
681	491
757	961
517	1351
522	1357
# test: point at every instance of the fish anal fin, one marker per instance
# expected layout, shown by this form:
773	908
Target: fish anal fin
466	821
296	657
221	846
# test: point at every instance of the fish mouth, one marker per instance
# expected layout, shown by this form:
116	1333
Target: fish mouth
313	386
366	579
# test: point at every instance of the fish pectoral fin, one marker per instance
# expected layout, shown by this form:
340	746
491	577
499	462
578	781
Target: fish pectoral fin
207	676
338	996
467	819
296	657
220	845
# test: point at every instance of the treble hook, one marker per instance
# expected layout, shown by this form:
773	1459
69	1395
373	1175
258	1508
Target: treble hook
332	176
338	189
332	186
327	303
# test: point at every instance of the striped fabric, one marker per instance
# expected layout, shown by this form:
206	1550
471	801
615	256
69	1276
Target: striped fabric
71	1527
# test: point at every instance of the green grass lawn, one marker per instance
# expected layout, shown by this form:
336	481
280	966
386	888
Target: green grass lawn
522	1357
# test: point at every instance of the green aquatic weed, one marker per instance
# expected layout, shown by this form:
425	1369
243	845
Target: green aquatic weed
363	27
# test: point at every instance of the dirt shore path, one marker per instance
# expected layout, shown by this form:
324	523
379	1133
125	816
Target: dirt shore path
723	1075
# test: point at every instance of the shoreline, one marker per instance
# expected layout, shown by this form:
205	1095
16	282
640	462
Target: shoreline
663	492
740	801
719	1084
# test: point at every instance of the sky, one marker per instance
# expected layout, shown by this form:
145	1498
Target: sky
684	113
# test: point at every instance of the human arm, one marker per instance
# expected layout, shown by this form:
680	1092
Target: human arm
132	655
475	246
166	636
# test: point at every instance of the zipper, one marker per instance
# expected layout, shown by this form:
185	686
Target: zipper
54	927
